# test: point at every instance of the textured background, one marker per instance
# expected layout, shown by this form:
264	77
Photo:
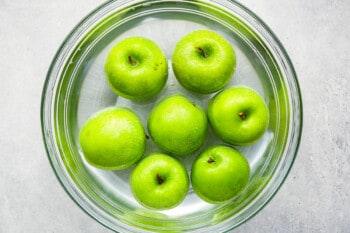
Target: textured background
315	196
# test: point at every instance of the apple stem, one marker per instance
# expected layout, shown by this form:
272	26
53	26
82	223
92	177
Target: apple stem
242	115
159	179
204	54
132	62
211	160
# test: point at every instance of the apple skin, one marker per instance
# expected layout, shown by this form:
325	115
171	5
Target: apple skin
221	179
136	68
113	139
238	115
203	61
177	125
159	181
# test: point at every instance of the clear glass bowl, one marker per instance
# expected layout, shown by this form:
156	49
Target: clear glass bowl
76	88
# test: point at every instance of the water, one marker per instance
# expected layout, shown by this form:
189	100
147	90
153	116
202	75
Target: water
92	93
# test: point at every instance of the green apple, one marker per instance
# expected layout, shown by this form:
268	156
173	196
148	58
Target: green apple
177	125
238	115
219	174
159	181
113	139
136	68
203	61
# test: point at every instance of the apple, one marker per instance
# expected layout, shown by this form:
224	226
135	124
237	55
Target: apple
136	68
220	173
238	115
159	181
203	61
113	139
177	125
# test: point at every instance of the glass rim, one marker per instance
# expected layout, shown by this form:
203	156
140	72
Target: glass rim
83	27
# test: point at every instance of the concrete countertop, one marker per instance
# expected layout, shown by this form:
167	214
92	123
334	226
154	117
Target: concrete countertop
314	198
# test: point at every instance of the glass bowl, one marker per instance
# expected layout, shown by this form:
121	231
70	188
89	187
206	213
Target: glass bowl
76	88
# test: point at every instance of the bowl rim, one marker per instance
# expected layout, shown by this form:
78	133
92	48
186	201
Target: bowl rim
47	90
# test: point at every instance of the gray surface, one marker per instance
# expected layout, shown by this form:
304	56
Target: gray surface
315	196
